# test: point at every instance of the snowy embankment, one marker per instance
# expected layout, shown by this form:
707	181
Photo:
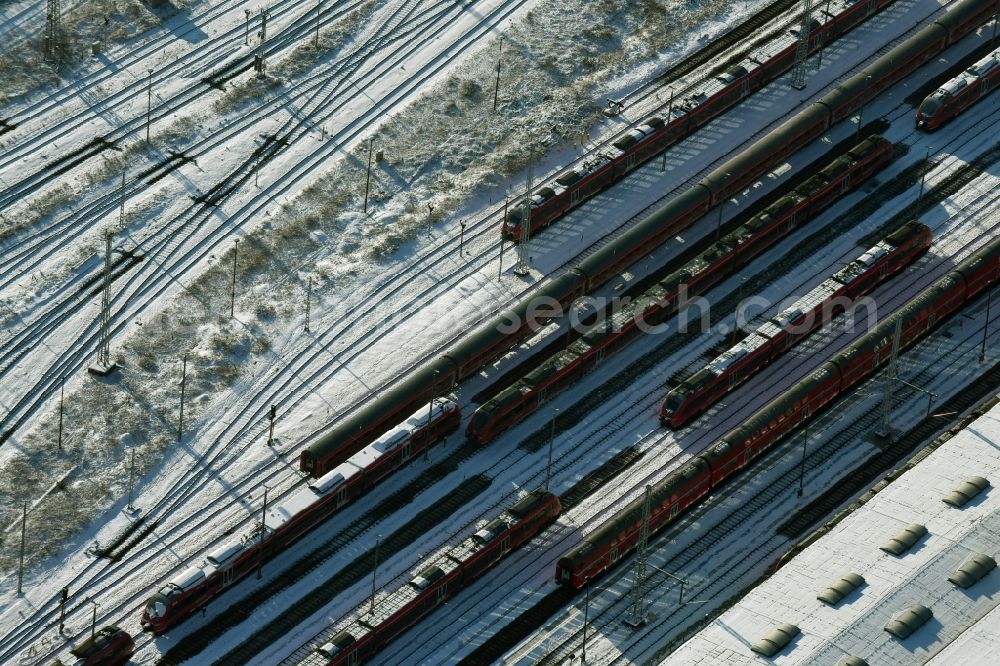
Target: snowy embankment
448	149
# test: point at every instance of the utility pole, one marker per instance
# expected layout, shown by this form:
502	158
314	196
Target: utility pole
500	270
923	177
521	268
121	203
638	609
552	437
890	376
246	40
62	394
805	441
861	109
131	481
180	420
368	178
149	102
586	613
986	325
53	32
260	63
93	620
670	110
718	224
20	566
263	513
232	290
819	60
104	367
270	429
802	50
461	240
309	293
496	88
319	11
378	540
64	596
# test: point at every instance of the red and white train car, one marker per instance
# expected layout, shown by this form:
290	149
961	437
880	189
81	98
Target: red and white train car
788	328
437	581
657	133
289	520
959	93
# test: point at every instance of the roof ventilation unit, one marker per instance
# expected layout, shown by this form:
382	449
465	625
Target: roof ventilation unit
907	622
776	640
903	541
965	492
844	585
851	660
973	570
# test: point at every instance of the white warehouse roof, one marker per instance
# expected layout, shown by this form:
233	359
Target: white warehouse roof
965	623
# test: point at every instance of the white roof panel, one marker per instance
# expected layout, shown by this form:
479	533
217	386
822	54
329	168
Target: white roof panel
892	584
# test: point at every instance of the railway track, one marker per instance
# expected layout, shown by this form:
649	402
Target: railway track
718	583
632	413
497	16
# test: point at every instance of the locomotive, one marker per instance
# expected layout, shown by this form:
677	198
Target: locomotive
603	547
109	646
786	329
664	298
301	512
437	581
654	135
495	338
959	93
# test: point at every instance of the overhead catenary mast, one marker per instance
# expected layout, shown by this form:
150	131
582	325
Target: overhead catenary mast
637	612
521	267
104	366
53	32
802	51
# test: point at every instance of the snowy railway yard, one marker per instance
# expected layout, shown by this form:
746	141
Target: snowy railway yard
342	286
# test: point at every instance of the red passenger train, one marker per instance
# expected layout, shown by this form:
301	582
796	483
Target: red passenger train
616	538
507	330
109	646
711	267
438	580
301	512
960	93
657	133
789	327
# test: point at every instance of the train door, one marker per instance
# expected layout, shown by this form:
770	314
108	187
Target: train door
405	455
574	196
846	182
630	161
746	455
341	496
542	395
600	355
613	554
791	220
352	658
883	269
227	577
674	510
745	86
442	594
505	544
871	7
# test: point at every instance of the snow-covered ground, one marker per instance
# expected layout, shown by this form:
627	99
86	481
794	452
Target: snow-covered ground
384	297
